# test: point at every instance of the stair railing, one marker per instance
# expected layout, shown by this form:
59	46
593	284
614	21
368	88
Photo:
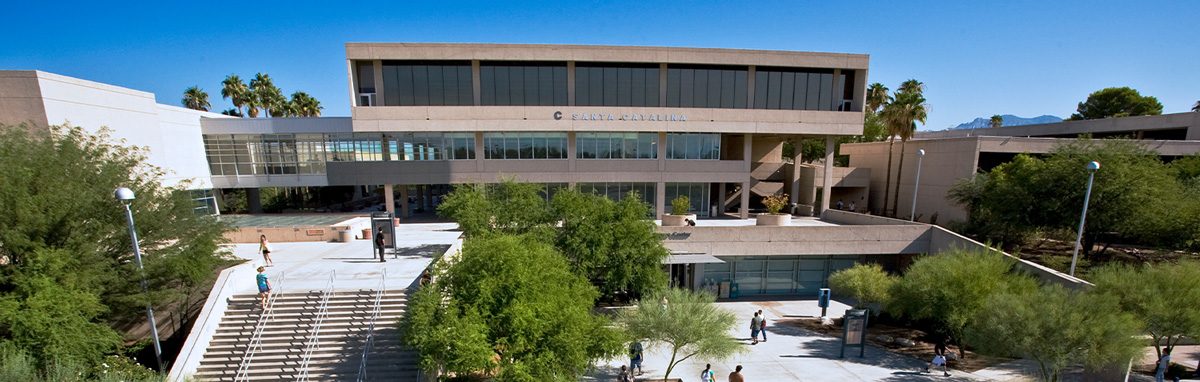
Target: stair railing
267	315
362	365
313	341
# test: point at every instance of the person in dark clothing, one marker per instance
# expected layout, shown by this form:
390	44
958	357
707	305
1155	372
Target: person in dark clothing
379	244
939	356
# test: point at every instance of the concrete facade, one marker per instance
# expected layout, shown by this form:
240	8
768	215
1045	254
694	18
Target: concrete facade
172	134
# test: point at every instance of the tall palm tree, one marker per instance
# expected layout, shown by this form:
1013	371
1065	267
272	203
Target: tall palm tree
252	104
236	91
892	130
910	108
912	86
270	98
232	112
196	99
877	96
996	121
304	105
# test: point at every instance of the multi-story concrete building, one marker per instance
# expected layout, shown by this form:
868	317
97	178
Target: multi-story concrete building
706	123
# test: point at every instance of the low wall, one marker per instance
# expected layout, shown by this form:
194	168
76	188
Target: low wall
228	282
853	218
798	240
941	239
299	233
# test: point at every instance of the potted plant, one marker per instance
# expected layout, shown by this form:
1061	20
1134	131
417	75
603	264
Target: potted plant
774	204
679	212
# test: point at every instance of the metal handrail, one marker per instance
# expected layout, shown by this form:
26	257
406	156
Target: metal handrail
362	365
313	342
256	339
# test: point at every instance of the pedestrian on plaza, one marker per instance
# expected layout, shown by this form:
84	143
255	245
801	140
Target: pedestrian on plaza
426	278
264	287
1163	363
852	205
635	357
708	375
624	376
264	247
755	326
939	356
736	375
379	243
763	326
839	205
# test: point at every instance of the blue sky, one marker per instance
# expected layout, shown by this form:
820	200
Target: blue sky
1026	58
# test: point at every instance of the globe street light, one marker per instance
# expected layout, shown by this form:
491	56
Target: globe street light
920	156
1092	167
125	195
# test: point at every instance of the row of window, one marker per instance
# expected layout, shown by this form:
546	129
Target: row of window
449	83
511	145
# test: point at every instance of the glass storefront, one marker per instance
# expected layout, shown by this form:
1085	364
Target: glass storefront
698	193
778	275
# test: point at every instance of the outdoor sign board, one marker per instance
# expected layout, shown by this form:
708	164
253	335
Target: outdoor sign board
383	220
854	331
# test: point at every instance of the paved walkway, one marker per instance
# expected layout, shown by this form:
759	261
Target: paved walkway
790	353
307	264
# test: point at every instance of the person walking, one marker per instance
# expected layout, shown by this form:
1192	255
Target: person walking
635	357
939	356
852	206
762	328
379	243
264	247
736	375
624	376
1163	364
264	287
708	375
755	326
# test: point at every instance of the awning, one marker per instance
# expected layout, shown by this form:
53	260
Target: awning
692	258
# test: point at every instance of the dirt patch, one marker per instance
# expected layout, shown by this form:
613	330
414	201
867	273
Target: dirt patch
923	350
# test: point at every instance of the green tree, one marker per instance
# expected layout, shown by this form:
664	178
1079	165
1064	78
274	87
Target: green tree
612	244
1162	296
1116	102
951	288
196	99
690	325
233	89
868	284
508	207
510	307
268	97
1057	328
902	114
996	121
70	273
304	105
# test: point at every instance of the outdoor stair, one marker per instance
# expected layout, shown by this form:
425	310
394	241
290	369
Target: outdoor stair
284	338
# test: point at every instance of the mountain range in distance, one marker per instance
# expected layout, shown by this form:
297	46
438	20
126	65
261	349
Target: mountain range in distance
1009	120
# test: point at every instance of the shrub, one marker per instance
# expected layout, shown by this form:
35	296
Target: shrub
775	203
681	205
866	283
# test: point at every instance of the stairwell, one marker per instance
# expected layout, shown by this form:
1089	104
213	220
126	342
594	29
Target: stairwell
340	343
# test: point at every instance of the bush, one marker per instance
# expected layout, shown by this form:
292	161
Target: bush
775	203
681	205
868	284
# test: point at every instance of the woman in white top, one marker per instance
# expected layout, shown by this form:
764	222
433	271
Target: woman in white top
264	247
707	375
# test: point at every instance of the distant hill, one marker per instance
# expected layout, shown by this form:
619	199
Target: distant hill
1009	120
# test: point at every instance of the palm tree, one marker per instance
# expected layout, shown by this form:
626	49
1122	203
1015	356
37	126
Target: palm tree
232	112
892	130
877	96
236	90
196	99
1196	107
270	98
996	121
304	105
912	86
252	104
909	108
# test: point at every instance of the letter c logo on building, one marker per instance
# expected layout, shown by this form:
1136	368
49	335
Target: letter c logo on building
557	115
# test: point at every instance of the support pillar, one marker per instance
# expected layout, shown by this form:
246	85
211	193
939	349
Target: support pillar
827	179
744	211
660	199
253	201
421	197
721	199
797	157
404	208
389	200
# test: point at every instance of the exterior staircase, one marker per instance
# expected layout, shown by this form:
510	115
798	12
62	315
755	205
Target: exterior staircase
284	338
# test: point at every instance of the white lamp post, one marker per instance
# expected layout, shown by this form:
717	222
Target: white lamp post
920	156
1092	167
125	195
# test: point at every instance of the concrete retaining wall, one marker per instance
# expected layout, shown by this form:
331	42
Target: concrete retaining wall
851	218
299	233
942	239
228	282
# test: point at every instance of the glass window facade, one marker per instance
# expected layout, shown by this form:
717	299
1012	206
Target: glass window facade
616	145
427	83
354	147
616	84
707	86
798	89
525	145
523	84
697	192
616	191
765	275
693	146
430	146
205	202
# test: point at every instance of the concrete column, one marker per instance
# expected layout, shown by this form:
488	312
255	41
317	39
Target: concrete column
479	155
662	85
838	88
827	179
477	93
404	201
721	202
421	197
744	212
389	200
794	195
571	149
571	84
378	66
662	151
750	87
660	199
748	151
253	201
860	90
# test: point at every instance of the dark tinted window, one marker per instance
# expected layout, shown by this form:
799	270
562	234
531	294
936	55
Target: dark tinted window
523	83
616	84
706	86
797	89
427	83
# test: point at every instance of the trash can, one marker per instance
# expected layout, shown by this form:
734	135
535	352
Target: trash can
344	236
733	290
366	234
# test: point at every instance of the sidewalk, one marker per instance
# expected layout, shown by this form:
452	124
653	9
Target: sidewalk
790	353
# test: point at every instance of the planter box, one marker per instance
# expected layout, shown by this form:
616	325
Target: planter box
804	210
773	220
677	220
